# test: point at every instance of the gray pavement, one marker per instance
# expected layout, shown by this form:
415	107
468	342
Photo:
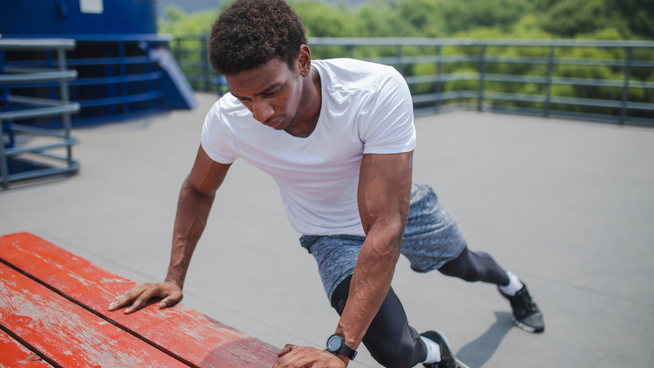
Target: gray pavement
568	206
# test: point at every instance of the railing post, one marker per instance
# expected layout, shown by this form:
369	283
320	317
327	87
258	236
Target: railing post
178	51
51	85
205	69
625	89
4	170
123	74
439	72
148	70
400	67
482	77
350	51
65	98
548	86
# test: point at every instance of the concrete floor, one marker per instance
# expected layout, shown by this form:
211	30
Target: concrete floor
568	206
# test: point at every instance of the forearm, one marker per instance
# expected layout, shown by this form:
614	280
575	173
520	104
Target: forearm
192	213
370	283
383	198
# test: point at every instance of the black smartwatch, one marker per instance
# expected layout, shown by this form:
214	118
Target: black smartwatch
336	345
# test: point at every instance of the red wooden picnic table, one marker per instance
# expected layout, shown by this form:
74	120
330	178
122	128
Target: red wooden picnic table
53	313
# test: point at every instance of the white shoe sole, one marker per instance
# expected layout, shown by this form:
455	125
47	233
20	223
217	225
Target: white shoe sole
522	325
458	362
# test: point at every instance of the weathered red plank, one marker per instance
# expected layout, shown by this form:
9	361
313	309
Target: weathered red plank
207	342
14	355
65	332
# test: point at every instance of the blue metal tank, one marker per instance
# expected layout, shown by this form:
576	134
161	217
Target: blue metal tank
44	18
125	68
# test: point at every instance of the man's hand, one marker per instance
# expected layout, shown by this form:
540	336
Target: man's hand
307	357
169	291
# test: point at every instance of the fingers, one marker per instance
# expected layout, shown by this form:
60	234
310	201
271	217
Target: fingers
139	295
287	349
144	297
170	300
126	298
300	356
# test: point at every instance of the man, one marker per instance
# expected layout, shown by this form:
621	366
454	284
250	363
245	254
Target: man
338	138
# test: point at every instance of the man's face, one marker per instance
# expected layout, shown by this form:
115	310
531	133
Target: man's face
271	92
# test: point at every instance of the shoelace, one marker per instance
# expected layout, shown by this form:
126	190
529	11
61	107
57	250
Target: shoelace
524	304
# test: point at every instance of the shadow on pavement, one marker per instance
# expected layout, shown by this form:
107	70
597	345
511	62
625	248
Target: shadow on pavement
476	353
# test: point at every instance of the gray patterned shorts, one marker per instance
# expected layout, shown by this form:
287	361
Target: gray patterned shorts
431	238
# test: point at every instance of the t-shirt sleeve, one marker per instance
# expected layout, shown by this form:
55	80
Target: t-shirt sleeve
388	123
216	138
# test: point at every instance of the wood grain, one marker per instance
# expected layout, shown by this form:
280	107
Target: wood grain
182	331
66	333
14	355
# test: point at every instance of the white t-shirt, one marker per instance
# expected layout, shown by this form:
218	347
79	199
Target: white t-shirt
366	108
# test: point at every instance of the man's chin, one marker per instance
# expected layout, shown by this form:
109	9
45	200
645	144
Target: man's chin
290	124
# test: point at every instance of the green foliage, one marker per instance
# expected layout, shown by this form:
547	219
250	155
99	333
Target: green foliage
323	20
475	19
569	18
179	24
638	13
445	18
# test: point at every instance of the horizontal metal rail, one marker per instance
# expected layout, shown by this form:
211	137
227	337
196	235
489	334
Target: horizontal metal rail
119	79
16	107
33	101
90	61
41	111
18	150
391	41
126	72
525	79
491	88
38	77
37	131
37	44
506	60
123	99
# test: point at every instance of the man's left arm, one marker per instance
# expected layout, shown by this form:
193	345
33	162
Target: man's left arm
383	197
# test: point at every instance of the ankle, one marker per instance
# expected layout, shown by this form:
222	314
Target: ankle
433	350
514	284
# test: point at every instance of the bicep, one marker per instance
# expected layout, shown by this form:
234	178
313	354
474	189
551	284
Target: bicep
206	175
385	190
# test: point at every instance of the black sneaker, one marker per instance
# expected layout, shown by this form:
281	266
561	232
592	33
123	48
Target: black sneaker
447	360
526	314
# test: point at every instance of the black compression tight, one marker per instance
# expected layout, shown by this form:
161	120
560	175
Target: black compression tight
390	339
475	266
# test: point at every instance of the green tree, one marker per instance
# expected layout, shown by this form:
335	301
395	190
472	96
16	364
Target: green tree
638	13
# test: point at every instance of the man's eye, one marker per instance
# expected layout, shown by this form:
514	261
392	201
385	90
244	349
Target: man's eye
273	92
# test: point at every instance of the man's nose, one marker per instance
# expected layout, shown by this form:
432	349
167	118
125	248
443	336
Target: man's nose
262	111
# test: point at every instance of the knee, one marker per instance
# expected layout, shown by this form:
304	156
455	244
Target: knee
401	357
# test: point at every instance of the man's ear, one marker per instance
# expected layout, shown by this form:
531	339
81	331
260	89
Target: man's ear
303	61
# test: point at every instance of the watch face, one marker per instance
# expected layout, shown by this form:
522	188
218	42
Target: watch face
334	343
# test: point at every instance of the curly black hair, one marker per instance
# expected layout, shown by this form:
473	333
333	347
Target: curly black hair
250	33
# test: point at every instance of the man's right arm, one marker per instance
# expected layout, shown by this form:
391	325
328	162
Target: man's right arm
195	200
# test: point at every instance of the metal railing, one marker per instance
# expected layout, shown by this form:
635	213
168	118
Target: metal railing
538	82
191	55
118	76
21	162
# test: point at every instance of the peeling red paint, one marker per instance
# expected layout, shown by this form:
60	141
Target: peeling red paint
207	342
15	355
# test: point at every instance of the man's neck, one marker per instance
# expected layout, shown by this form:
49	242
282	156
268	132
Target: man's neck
309	106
